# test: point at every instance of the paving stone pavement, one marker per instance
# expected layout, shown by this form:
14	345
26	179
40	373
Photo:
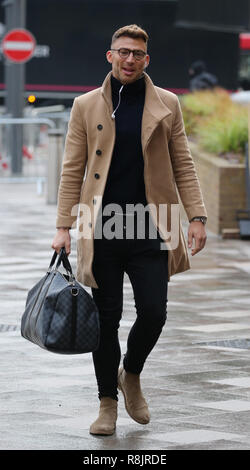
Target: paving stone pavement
196	380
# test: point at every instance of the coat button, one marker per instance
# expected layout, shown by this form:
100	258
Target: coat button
94	201
98	152
99	127
90	224
97	176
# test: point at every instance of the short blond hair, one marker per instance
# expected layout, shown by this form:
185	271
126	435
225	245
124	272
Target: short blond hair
131	31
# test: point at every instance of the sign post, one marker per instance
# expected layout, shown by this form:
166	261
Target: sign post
18	46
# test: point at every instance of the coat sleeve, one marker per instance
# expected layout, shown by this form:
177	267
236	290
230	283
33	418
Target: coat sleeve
73	168
184	170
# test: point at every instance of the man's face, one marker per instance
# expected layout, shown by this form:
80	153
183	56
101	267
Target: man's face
127	70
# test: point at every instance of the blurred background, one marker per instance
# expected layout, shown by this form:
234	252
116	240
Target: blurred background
199	50
73	35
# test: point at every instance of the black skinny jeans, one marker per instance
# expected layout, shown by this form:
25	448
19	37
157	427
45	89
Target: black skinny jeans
147	268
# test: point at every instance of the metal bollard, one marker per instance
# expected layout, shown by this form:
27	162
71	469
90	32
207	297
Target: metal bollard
56	145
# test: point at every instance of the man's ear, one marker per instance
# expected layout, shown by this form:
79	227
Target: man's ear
147	62
109	56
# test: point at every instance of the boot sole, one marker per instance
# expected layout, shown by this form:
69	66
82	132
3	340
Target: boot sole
125	402
102	433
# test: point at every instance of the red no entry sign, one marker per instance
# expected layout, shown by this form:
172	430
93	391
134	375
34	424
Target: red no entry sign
18	45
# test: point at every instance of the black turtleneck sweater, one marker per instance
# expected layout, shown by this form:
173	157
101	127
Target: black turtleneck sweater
125	182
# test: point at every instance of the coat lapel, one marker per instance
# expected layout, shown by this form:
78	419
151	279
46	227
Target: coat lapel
154	111
154	108
106	92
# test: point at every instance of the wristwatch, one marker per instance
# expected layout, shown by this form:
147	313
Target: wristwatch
202	219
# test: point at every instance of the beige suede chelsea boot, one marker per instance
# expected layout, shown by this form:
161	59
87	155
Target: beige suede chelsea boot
135	402
105	424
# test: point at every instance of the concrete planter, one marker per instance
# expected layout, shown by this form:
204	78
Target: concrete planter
223	188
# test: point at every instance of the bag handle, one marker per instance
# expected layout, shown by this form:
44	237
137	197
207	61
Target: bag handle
63	258
52	262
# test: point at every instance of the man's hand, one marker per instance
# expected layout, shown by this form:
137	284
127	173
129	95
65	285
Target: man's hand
62	239
197	231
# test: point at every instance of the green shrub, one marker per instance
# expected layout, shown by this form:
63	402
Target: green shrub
224	135
199	103
217	123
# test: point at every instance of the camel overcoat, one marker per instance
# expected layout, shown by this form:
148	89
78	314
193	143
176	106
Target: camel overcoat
169	171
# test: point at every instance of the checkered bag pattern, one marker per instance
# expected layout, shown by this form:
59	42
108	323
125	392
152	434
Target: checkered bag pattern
61	317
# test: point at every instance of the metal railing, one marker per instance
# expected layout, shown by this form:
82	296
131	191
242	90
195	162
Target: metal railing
41	152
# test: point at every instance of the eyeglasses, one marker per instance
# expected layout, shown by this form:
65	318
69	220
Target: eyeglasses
124	53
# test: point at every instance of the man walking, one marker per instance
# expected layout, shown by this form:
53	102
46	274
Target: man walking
126	147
